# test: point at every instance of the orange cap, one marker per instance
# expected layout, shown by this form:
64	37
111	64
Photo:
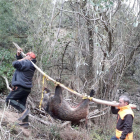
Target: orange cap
31	54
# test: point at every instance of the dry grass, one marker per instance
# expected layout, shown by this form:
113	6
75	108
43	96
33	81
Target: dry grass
38	131
73	134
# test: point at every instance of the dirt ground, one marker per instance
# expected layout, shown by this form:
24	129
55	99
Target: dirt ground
9	122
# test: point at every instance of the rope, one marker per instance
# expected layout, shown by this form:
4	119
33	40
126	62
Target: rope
42	92
42	95
56	83
87	97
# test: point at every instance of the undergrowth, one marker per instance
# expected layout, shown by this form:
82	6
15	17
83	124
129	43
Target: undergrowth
37	131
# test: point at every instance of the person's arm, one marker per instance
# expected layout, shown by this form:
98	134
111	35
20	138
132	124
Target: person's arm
19	57
18	54
114	110
22	64
128	121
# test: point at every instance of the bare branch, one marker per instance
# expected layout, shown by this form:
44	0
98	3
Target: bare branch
7	84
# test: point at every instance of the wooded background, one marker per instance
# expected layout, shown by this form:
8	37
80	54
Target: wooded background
86	44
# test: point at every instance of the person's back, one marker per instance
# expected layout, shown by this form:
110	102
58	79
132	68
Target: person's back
24	72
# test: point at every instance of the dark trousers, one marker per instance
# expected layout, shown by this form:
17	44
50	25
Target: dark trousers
17	98
114	138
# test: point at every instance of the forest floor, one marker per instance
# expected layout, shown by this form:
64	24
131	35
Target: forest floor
58	130
9	126
10	130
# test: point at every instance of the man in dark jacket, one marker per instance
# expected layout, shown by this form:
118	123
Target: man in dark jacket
124	119
22	83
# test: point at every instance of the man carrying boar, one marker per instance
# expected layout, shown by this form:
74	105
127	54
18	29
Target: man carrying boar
124	119
22	84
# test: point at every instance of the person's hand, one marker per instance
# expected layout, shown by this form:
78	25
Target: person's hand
114	102
27	57
19	51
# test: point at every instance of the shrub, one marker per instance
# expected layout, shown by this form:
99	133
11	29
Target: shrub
6	68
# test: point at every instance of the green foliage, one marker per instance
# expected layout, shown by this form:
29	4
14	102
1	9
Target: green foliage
102	4
75	127
54	133
10	28
6	68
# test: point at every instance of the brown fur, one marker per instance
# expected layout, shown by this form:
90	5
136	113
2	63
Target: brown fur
60	109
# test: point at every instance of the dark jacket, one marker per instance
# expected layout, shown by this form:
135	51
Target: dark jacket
24	72
124	121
